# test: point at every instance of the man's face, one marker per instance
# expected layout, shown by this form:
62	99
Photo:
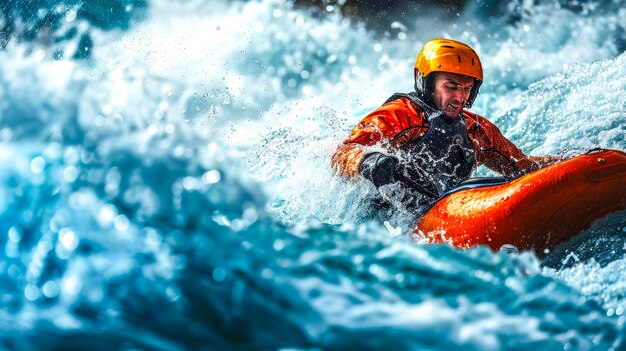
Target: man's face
451	92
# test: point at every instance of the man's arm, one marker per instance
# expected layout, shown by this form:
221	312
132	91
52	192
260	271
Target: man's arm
499	154
391	124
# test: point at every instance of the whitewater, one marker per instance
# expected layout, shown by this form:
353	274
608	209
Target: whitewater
166	180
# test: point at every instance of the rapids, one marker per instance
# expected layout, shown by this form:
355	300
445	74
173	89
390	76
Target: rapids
166	181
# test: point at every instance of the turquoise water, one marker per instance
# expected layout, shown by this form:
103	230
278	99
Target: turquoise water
166	181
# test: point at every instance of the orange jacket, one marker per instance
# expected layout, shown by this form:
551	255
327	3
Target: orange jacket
399	122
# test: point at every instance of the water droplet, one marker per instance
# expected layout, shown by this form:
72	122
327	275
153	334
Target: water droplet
508	248
189	183
37	165
152	130
278	245
250	214
121	223
50	289
172	293
15	235
72	285
31	292
68	239
106	215
70	174
70	16
211	177
219	274
267	273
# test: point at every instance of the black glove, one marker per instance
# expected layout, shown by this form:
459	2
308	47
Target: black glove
378	168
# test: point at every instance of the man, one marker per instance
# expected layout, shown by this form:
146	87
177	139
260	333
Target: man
426	141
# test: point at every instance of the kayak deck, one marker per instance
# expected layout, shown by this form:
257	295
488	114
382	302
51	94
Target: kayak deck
535	212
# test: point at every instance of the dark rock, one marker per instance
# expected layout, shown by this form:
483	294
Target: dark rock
381	13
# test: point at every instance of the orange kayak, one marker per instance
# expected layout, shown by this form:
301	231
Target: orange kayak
535	212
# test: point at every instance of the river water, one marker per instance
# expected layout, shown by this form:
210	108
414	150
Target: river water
166	181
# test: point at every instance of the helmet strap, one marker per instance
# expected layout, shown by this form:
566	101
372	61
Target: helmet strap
425	86
419	81
473	93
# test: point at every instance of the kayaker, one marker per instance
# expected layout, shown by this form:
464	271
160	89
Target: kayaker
426	141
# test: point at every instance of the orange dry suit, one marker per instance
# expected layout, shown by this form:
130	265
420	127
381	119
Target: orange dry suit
437	153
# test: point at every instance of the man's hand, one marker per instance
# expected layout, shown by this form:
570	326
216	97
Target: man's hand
378	168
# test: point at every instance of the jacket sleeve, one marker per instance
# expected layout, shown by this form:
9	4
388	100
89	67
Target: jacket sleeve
499	154
391	124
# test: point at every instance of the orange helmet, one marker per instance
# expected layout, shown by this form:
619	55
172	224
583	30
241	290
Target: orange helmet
446	55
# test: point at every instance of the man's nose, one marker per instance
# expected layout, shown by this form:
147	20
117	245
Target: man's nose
460	95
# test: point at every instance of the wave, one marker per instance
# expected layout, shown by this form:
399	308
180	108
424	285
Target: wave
171	190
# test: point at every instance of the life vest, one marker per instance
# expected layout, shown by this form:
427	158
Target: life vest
441	158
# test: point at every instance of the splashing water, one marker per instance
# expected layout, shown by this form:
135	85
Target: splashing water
172	188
